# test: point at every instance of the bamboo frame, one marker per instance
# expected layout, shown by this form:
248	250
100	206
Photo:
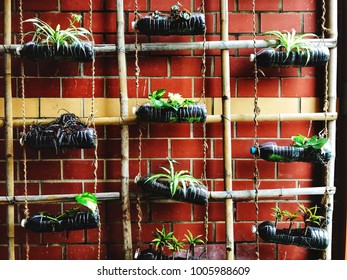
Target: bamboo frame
9	130
128	251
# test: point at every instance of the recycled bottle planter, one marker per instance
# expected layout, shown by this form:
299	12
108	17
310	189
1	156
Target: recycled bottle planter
165	25
189	114
194	194
269	57
312	237
73	220
81	52
65	132
151	254
271	152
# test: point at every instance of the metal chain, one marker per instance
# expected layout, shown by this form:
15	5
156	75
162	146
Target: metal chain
92	119
256	144
22	139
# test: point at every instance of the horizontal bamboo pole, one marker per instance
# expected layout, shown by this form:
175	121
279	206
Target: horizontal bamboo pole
209	119
54	198
210	45
213	195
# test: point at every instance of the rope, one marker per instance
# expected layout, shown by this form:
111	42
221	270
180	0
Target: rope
92	120
22	80
256	144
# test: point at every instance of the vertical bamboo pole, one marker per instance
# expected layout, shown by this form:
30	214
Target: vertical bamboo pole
332	82
229	222
124	132
8	129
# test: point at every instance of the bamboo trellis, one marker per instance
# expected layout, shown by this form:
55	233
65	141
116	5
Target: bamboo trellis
121	48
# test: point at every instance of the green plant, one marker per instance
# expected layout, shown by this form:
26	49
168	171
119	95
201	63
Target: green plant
278	214
162	239
44	34
314	142
292	42
193	241
174	100
175	246
176	179
309	215
290	217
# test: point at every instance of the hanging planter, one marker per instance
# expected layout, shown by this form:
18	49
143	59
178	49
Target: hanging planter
292	50
176	23
312	237
73	43
73	219
314	149
65	132
177	185
175	110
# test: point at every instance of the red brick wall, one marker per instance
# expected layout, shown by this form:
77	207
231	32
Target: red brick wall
72	172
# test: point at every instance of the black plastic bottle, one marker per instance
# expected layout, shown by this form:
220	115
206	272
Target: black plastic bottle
271	152
269	57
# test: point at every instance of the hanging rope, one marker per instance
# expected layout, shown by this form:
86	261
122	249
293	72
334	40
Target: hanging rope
22	80
92	120
256	182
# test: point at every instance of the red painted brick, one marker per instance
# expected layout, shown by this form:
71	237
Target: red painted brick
113	169
241	148
34	170
186	66
213	130
75	5
106	149
298	5
267	87
170	130
238	185
291	128
245	169
181	86
45	252
102	22
241	67
61	188
155	66
247	251
264	129
81	169
104	66
84	252
129	5
260	5
214	168
42	87
171	212
38	5
280	21
165	6
147	231
216	211
168	40
245	211
240	23
75	236
300	170
243	232
82	88
187	148
213	87
33	188
310	23
143	88
55	18
296	253
299	87
56	68
151	148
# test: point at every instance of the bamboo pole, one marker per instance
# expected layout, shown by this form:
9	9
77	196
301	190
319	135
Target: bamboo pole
210	45
124	132
9	130
229	221
209	119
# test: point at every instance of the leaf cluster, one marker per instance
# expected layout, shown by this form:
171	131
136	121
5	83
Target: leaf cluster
314	142
174	101
46	35
177	179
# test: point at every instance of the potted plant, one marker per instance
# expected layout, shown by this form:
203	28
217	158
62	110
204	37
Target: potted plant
291	50
67	131
47	43
314	149
175	109
178	22
72	219
192	242
178	185
311	236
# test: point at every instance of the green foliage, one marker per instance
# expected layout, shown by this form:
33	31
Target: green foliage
87	199
174	100
175	245
46	35
177	179
162	238
292	42
314	142
309	215
278	214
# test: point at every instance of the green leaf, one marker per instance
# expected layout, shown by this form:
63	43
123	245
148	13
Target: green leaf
87	199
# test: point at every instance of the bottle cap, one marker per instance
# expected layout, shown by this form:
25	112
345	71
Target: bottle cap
133	25
252	57
23	222
253	150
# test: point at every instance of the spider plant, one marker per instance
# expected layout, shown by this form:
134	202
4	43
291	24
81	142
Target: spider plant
193	241
278	214
177	179
309	215
162	239
46	35
290	217
175	246
174	100
292	42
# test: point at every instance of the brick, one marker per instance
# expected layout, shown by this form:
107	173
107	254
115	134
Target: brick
52	154
298	5
107	149
75	5
57	68
42	87
75	236
38	5
147	232
45	252
268	87
151	148
171	212
299	87
82	88
296	253
61	188
291	128
213	87
261	5
186	66
129	5
310	23
247	251
81	169
181	86
33	188
102	22
241	148
113	169
187	148
216	211
280	21
170	130
213	130
214	168
84	252
155	66
55	18
300	170
243	232
245	169
53	107
264	129
34	170
245	211
165	6
104	66
240	23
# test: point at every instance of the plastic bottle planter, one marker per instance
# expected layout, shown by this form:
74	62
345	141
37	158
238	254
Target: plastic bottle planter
194	194
153	255
66	132
195	113
159	24
270	57
312	237
271	152
81	52
73	220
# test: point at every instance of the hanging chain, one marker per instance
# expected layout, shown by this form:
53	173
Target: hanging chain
92	119
22	139
256	144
